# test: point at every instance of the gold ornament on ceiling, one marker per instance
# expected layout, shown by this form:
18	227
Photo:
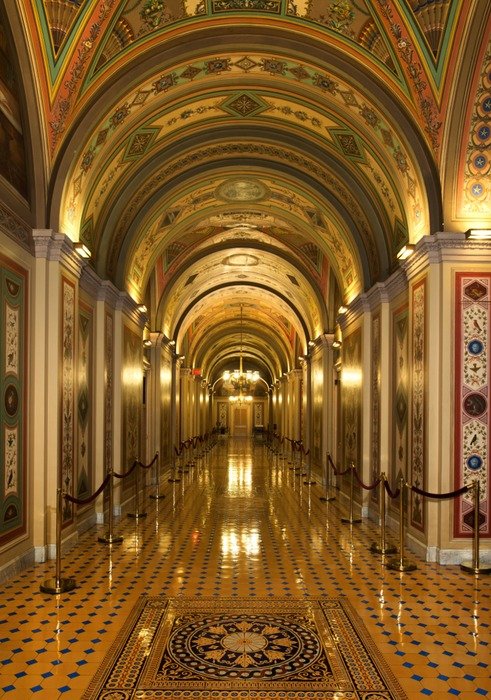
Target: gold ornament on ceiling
241	190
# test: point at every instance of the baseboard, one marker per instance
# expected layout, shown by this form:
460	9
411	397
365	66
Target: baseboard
16	566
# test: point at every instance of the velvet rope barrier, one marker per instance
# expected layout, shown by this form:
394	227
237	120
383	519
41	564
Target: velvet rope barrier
367	488
125	474
392	494
147	466
450	494
337	472
89	499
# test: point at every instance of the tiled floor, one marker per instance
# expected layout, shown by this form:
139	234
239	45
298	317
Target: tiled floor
243	524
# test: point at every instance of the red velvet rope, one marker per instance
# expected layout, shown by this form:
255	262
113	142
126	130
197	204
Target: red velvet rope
451	494
147	466
368	488
125	474
392	494
85	501
335	469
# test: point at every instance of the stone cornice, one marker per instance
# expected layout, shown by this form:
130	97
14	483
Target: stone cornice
90	281
108	293
130	308
56	247
446	247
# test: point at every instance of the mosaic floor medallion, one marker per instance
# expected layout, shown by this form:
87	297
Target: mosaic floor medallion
235	648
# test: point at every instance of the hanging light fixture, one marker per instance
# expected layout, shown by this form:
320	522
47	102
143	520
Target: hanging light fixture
241	380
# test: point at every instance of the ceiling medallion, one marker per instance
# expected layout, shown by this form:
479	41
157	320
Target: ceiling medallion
241	260
240	190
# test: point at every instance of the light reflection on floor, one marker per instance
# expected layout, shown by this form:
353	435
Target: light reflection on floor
243	524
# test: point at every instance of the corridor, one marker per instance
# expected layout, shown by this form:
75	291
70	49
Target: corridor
242	523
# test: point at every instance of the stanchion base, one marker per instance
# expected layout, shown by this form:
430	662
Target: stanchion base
481	568
62	585
326	499
377	549
156	496
110	539
398	565
137	515
351	521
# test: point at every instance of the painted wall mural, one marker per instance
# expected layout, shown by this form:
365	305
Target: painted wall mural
132	379
166	438
222	414
472	368
351	380
418	402
13	415
108	391
400	399
67	393
375	467
84	401
317	379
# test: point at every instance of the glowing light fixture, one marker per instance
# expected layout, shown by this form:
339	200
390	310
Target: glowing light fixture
241	380
82	250
342	310
405	252
478	234
147	343
142	308
336	344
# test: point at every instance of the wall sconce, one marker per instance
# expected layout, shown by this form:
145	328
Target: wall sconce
478	234
172	342
311	343
342	310
147	343
82	250
405	251
336	343
142	308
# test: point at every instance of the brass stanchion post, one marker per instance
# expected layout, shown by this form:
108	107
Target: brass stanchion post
157	494
137	513
109	538
400	563
351	520
58	584
475	566
382	548
328	497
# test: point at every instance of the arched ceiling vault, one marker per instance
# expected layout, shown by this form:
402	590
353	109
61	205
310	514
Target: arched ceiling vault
219	155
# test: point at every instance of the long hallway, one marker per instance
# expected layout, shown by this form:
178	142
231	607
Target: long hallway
242	523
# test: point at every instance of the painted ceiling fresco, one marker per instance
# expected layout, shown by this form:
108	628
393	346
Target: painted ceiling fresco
270	155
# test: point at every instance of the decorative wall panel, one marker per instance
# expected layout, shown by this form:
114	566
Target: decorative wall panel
222	414
108	391
166	439
13	410
375	467
132	379
351	379
398	464
418	402
84	401
67	393
317	407
258	414
472	372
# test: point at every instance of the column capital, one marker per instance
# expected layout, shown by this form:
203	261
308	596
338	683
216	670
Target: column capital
57	247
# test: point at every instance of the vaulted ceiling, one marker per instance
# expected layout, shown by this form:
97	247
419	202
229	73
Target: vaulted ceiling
265	155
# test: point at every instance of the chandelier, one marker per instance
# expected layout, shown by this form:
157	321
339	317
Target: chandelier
241	381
